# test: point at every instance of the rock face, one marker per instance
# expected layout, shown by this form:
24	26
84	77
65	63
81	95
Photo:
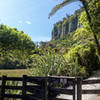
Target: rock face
67	25
73	24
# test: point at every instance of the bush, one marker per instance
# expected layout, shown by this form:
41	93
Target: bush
47	64
82	59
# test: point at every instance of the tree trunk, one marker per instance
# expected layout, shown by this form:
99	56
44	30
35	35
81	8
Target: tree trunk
91	26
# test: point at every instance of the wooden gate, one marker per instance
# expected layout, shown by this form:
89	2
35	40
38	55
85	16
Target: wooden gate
81	91
38	88
59	86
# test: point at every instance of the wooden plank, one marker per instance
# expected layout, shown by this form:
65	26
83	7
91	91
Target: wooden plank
3	87
37	77
24	87
39	96
62	91
34	80
63	77
30	97
14	78
33	87
91	81
58	80
61	99
58	99
37	91
79	88
45	88
74	92
13	96
63	81
14	87
90	91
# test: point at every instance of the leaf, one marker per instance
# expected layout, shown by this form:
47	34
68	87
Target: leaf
61	5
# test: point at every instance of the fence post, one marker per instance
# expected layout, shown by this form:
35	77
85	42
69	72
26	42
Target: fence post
3	87
45	89
74	90
24	88
79	88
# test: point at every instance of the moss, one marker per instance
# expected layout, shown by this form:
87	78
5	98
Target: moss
66	25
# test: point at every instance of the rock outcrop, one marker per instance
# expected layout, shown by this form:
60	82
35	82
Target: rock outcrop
67	25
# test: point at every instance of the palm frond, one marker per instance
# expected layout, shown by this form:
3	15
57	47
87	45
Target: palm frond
59	6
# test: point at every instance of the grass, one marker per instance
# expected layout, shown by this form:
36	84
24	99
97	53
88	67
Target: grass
14	73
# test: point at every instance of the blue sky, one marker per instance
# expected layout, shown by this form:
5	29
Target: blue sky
31	16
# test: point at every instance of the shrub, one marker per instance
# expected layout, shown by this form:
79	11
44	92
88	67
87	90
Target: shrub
47	64
82	59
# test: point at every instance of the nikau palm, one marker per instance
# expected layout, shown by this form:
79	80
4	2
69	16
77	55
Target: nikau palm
85	5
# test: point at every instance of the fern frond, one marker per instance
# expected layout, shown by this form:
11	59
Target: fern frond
59	6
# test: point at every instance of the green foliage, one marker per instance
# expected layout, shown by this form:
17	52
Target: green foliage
83	57
63	45
65	26
79	47
94	10
72	55
15	48
10	38
47	64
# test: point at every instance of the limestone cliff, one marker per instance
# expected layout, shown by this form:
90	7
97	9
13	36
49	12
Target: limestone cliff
67	25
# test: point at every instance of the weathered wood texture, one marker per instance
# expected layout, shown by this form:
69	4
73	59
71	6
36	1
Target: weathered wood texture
46	88
38	88
59	85
79	89
91	91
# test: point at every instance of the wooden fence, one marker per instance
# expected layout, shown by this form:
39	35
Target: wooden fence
32	88
45	88
59	85
88	91
38	88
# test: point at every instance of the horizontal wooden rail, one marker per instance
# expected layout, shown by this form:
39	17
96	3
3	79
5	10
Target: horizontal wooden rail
91	81
14	87
34	91
61	91
14	78
12	96
58	99
34	80
59	78
34	87
91	91
31	97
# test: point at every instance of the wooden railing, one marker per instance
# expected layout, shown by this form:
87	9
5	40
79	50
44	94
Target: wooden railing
45	88
81	91
59	85
5	87
38	88
95	91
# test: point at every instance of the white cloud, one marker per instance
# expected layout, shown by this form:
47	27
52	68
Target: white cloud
28	22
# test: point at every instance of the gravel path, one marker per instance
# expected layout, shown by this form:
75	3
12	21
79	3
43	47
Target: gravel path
96	75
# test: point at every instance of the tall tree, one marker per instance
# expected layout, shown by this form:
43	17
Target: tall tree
15	48
85	5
